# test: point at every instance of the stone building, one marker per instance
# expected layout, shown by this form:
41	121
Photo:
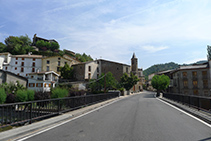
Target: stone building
93	69
9	77
190	80
35	39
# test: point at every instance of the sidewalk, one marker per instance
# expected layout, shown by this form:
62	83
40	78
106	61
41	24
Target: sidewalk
19	132
205	116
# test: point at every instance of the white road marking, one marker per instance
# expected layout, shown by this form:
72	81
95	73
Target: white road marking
27	137
185	113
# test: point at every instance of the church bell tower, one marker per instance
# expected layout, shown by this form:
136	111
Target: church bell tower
134	64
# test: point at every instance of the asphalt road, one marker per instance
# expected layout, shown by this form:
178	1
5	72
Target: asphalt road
136	118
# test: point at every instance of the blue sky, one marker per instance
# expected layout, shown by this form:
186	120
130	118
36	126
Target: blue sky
158	31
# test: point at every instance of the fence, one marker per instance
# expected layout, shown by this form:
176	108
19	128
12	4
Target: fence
198	102
28	112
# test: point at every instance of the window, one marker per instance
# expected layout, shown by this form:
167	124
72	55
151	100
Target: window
205	83
89	68
97	76
16	58
34	59
58	63
65	62
22	69
117	68
47	68
6	68
184	74
206	93
97	69
32	76
15	68
26	74
204	73
18	74
33	64
194	73
195	83
22	58
31	84
195	92
185	83
22	63
59	58
39	85
33	70
58	69
16	63
45	85
127	69
48	62
49	85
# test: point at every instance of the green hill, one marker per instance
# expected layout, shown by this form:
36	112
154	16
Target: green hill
160	67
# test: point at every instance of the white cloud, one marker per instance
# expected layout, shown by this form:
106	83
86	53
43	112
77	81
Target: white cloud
153	49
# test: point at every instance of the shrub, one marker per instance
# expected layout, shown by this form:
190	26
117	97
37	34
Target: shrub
10	98
59	93
41	95
30	94
3	96
21	96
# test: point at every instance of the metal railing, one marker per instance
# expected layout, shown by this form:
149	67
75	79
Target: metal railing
28	112
198	102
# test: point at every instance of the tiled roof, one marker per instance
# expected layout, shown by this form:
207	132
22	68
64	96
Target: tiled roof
44	72
193	67
27	56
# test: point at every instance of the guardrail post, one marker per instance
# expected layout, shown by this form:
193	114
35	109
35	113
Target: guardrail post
30	122
58	107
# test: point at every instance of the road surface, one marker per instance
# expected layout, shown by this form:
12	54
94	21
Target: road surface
139	117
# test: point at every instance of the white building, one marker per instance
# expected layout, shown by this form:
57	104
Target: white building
5	58
24	64
42	81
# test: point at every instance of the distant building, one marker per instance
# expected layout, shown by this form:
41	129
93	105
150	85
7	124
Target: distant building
86	70
35	39
42	81
93	69
9	77
54	63
24	64
190	80
5	58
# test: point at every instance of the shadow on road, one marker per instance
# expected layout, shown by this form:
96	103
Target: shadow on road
207	139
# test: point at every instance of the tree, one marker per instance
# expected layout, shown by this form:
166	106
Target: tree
18	45
107	82
54	46
2	47
129	81
160	82
67	72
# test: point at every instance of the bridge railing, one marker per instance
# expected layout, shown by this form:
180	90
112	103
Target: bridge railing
198	102
28	112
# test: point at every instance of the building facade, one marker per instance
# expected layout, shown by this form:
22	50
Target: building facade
24	64
5	58
42	81
54	63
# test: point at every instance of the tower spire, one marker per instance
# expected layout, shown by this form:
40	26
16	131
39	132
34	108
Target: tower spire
134	56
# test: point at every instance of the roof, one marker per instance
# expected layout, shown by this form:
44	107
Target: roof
5	53
114	62
27	56
194	67
167	71
71	57
44	72
134	56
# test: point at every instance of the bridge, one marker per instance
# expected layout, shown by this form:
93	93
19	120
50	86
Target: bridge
140	117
